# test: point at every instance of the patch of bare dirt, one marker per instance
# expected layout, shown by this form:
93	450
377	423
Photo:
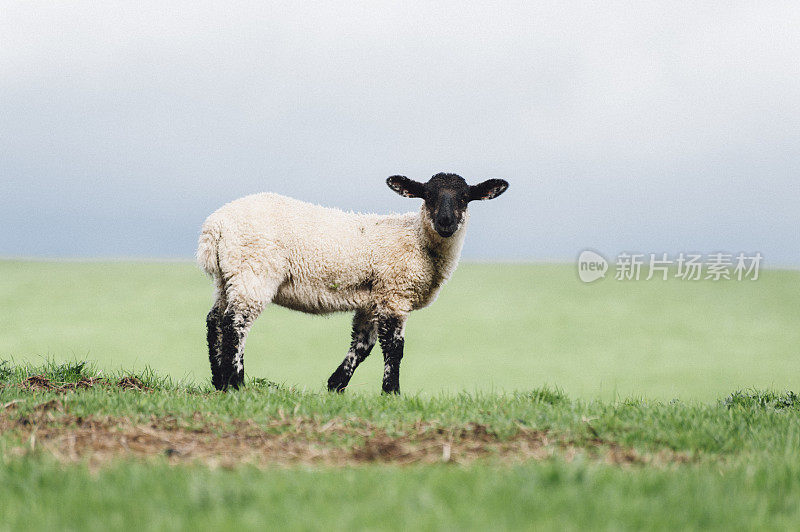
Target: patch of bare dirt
292	441
131	383
37	383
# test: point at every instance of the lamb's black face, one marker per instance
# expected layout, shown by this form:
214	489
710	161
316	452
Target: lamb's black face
446	197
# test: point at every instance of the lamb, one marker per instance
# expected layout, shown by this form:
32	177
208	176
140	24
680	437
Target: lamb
269	248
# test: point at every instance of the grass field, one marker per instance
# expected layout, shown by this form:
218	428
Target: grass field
81	452
495	328
531	401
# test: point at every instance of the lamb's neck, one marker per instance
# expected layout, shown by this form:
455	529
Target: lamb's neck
444	252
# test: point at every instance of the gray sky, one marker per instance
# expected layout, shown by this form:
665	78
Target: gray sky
620	126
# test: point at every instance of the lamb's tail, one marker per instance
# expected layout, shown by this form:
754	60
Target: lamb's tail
208	248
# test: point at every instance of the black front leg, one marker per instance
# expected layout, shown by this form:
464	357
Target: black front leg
363	338
390	333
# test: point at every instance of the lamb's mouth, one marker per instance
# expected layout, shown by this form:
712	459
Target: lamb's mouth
446	232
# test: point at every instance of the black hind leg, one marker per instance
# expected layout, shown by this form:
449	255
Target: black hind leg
237	314
214	338
228	351
235	326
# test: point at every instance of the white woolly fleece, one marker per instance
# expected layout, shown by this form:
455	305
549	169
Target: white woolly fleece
270	248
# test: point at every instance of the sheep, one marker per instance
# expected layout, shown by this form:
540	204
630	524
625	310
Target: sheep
267	248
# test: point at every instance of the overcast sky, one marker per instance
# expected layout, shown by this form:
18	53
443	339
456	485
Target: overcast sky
620	126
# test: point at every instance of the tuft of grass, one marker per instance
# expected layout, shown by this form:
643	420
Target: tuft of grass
71	371
150	379
77	371
545	394
262	383
5	371
68	371
762	399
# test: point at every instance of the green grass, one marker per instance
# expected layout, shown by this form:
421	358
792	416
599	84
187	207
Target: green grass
695	379
743	421
549	496
495	327
739	468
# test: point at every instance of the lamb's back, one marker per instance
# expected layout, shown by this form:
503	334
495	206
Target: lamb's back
319	247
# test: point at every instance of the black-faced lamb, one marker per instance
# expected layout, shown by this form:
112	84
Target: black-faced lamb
269	248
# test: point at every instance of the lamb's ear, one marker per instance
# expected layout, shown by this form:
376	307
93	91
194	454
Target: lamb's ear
408	188
489	189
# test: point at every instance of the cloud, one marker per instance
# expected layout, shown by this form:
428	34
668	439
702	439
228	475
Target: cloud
619	125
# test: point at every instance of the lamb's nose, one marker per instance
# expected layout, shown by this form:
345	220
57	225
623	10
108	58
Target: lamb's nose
445	220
